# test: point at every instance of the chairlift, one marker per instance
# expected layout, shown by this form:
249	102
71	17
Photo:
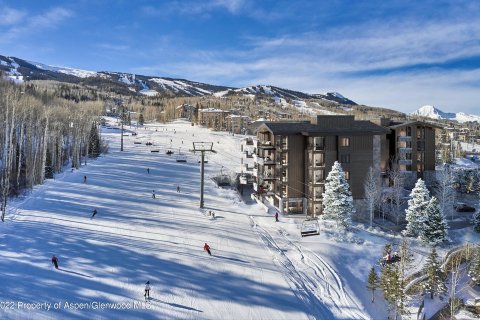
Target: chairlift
137	142
169	152
154	150
310	227
181	157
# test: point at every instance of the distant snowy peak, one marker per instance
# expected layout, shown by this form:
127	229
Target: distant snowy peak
432	112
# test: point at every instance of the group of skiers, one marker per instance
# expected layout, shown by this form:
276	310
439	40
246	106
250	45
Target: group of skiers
206	247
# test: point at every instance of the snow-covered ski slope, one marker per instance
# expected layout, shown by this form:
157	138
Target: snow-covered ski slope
259	269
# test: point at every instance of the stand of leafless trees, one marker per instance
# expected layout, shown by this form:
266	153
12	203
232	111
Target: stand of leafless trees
40	134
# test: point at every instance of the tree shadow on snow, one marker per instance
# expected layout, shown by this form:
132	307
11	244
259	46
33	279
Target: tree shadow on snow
176	305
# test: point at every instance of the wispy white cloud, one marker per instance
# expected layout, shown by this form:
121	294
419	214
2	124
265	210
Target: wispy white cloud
348	60
30	24
10	16
196	7
114	47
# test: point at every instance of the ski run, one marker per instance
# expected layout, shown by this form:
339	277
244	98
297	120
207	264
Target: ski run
148	227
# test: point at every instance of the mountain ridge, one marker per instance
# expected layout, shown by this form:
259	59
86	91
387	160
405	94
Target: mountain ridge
20	70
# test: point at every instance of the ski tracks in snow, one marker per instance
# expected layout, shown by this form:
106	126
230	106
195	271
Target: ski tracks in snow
313	280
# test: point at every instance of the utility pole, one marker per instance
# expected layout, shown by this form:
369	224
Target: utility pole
202	147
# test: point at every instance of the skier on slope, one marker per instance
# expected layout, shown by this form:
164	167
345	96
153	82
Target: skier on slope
206	247
153	194
178	188
94	212
55	261
84	179
147	290
276	216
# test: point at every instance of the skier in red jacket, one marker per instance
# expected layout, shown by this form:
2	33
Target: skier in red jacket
206	247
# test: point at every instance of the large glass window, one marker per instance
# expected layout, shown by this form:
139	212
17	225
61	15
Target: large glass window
344	142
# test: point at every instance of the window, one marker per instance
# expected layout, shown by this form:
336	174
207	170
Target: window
420	145
420	156
345	158
347	175
319	159
344	142
420	133
319	143
319	176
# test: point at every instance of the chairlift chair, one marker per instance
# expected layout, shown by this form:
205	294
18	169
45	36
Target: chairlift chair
181	157
310	227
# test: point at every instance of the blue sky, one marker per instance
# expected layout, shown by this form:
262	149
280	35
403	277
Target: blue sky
396	54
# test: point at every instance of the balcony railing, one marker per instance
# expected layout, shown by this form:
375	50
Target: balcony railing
405	161
269	161
265	145
404	138
405	150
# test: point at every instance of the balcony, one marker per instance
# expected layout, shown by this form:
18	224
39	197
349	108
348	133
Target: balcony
405	150
268	161
268	177
266	145
405	161
404	138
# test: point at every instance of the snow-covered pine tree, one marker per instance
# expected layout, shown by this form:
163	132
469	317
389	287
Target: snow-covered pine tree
373	282
435	282
337	198
435	228
415	213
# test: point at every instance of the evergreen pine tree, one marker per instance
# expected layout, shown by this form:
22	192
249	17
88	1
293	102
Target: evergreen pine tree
373	282
94	141
337	198
415	213
435	282
476	221
474	270
392	287
435	227
140	119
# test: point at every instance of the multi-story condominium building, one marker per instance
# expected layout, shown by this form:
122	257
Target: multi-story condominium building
236	123
186	111
213	118
293	159
410	145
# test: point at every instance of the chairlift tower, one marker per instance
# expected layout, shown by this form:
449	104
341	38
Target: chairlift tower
202	147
